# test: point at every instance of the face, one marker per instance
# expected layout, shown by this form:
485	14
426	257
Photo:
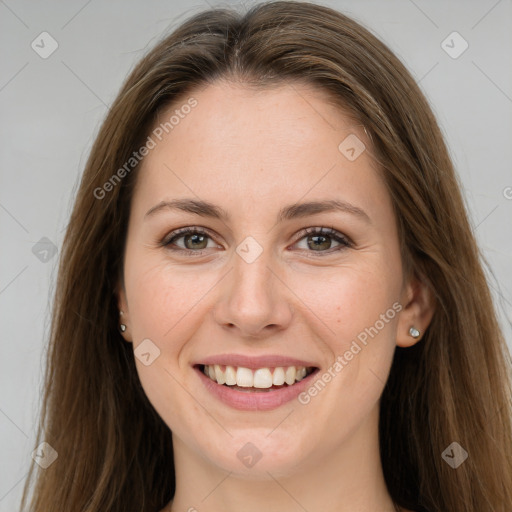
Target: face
268	286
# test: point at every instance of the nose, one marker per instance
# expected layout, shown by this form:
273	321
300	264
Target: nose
254	301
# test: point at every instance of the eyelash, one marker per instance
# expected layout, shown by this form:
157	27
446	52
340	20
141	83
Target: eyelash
331	232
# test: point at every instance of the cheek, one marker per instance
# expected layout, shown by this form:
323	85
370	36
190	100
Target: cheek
161	299
163	304
360	306
353	299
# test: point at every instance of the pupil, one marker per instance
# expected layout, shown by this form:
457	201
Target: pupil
195	236
316	245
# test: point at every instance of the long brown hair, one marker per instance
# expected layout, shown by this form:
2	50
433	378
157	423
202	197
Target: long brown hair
114	451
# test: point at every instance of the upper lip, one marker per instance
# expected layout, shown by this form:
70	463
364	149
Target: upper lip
254	362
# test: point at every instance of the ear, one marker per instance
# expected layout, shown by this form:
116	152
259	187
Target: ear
419	305
124	315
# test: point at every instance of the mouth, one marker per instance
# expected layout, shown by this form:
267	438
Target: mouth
256	380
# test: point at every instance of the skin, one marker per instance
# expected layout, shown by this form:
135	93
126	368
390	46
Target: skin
253	153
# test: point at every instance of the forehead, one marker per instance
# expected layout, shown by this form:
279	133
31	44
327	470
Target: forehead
238	111
283	142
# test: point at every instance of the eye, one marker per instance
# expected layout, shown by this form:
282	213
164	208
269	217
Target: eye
195	240
319	239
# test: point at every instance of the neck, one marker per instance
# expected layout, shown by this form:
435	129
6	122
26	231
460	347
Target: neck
343	478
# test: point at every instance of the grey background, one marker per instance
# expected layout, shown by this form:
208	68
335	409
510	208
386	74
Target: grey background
51	110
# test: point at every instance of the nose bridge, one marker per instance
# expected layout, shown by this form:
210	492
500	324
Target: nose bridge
253	278
253	298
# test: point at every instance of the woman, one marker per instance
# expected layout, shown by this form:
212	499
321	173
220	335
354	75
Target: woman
270	296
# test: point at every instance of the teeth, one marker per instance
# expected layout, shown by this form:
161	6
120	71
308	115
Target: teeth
262	378
278	377
219	375
290	375
230	376
244	378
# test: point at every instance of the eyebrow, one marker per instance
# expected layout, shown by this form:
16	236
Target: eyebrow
293	211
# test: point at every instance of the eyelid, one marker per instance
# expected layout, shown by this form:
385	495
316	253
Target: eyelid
331	231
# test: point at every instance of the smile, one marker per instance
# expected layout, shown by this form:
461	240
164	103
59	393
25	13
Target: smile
259	388
259	379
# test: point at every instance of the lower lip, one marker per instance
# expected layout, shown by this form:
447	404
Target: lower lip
255	400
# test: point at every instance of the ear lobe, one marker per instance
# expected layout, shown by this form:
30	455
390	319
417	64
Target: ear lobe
419	307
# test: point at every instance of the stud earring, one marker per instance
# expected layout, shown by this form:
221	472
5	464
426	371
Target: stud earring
414	332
